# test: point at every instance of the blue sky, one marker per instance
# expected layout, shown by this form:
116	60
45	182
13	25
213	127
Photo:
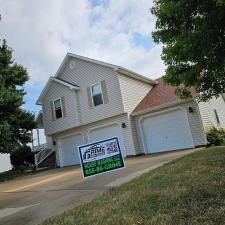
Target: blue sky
117	32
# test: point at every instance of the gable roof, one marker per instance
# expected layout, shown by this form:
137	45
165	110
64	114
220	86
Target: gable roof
161	94
118	69
48	84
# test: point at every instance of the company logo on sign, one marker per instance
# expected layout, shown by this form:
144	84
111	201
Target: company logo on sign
93	152
100	157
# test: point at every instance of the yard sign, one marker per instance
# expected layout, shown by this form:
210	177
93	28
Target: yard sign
100	157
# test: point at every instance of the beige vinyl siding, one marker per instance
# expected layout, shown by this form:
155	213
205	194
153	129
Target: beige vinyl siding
133	91
194	119
69	120
85	74
119	119
208	114
208	118
196	125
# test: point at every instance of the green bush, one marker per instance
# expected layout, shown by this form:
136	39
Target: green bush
216	136
22	158
11	174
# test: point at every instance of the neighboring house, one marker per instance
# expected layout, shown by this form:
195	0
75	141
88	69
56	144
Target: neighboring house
89	100
213	112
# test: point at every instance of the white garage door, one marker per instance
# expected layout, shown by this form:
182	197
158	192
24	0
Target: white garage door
114	130
68	150
166	132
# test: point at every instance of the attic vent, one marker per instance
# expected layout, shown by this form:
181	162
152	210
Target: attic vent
72	65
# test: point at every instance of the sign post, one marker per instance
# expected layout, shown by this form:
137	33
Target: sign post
100	157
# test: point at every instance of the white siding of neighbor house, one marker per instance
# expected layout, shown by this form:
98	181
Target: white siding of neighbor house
85	74
208	115
67	121
126	132
197	130
194	119
133	91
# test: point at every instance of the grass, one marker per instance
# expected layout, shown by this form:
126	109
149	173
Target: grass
190	190
12	174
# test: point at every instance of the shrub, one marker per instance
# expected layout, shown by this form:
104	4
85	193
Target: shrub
216	136
22	158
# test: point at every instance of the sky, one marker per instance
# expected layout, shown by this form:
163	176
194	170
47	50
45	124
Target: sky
42	32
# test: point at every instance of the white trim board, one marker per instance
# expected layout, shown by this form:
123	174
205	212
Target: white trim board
118	69
48	84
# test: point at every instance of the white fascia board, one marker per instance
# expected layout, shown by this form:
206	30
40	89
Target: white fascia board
71	55
135	75
158	107
47	86
72	87
119	69
62	65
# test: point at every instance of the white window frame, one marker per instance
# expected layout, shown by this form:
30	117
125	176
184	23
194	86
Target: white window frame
60	105
92	94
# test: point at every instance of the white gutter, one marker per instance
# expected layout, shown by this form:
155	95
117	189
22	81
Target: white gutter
53	79
70	86
160	107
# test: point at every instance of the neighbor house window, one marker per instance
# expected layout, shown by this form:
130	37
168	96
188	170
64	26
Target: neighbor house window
97	94
58	108
217	117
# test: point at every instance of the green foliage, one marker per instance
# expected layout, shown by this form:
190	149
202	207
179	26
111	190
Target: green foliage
15	123
12	174
187	191
216	136
22	157
193	36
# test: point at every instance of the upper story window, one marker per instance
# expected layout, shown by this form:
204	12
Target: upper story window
58	108
96	91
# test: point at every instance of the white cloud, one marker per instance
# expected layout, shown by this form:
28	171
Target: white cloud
41	32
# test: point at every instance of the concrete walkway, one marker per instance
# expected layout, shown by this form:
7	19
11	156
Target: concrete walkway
32	199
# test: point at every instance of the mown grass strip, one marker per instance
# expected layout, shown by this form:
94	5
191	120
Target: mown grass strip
189	190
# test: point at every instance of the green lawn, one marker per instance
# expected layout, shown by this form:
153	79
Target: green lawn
190	190
12	174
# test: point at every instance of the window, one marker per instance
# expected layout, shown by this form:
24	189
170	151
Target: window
217	117
97	94
58	108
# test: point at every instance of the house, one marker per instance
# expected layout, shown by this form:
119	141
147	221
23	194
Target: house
213	112
89	100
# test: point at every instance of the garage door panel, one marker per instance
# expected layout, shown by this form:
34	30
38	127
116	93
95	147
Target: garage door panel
167	131
69	151
105	132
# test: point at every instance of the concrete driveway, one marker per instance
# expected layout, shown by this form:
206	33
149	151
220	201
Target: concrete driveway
32	199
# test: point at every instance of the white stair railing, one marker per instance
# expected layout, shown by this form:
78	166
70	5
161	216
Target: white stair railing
40	147
44	152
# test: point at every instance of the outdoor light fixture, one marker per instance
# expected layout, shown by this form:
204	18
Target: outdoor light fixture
54	142
123	125
190	109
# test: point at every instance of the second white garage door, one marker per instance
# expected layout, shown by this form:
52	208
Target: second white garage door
166	132
68	150
105	132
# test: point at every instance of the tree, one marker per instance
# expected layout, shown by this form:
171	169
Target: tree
15	123
193	36
22	158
